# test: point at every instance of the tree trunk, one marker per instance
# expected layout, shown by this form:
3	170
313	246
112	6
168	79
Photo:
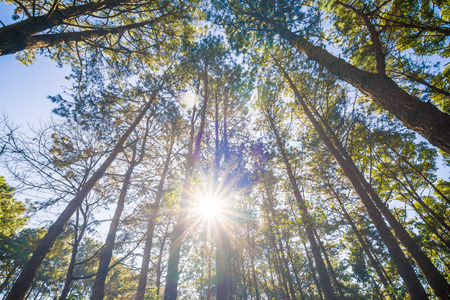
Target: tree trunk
320	265
330	266
365	247
98	290
76	242
151	225
405	269
51	40
421	117
180	227
18	36
25	279
160	258
313	271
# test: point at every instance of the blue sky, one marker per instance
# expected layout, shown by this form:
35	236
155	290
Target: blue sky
24	89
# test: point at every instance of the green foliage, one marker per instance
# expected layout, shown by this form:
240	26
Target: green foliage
11	211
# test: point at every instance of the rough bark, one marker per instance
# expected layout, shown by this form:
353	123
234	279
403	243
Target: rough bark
98	289
180	227
325	281
405	269
25	279
421	117
433	276
17	36
151	226
51	40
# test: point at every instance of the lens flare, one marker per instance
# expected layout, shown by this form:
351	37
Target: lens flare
209	207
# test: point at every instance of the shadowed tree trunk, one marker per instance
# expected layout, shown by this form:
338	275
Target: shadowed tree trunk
98	290
407	272
325	281
419	116
23	283
151	224
18	36
76	241
180	226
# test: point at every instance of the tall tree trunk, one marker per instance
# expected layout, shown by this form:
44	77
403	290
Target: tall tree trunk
294	270
284	266
313	272
76	241
405	269
378	268
223	245
98	289
140	293
51	40
178	233
325	281
252	263
160	258
25	279
330	266
419	116
434	277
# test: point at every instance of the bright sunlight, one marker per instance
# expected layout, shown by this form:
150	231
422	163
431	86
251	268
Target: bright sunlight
209	207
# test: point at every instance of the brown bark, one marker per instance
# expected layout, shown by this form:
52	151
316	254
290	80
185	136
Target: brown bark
180	226
282	258
330	266
160	258
434	277
320	265
151	225
51	40
313	271
406	271
364	245
421	117
76	241
25	279
16	37
98	289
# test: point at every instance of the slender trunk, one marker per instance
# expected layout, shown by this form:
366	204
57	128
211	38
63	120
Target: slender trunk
364	245
76	241
160	258
8	277
180	227
320	265
222	261
434	277
425	178
330	266
25	279
294	270
252	262
405	269
140	293
278	265
313	271
419	116
283	261
98	289
413	193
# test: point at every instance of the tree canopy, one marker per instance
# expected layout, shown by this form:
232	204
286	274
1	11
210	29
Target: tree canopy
256	149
